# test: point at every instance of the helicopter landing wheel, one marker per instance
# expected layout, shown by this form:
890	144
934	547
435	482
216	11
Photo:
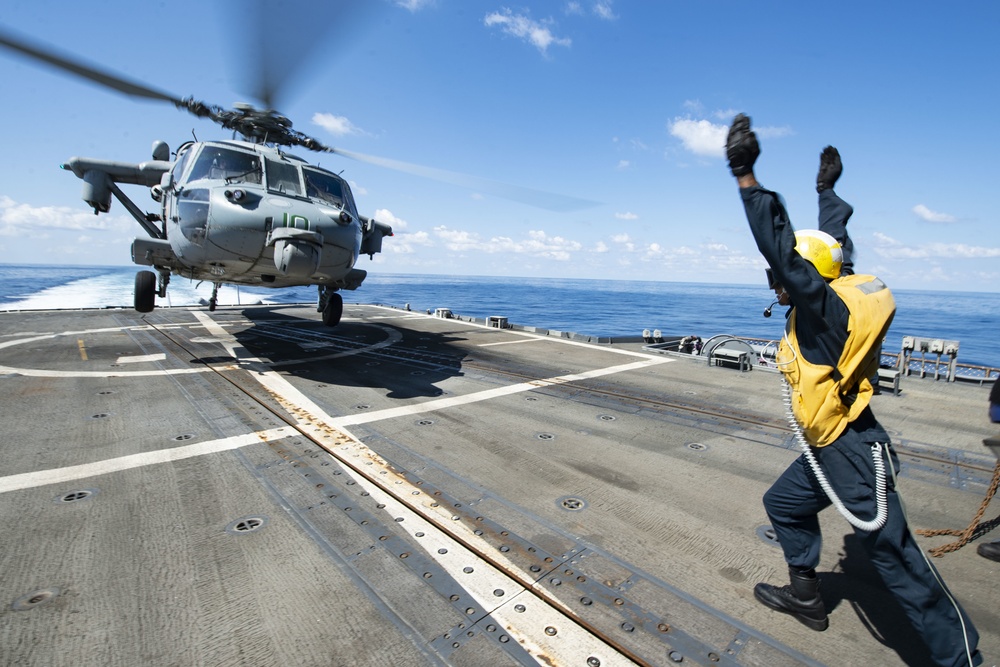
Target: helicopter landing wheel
145	291
215	297
333	310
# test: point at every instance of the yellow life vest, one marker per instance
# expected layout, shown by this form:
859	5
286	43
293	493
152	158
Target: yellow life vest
826	399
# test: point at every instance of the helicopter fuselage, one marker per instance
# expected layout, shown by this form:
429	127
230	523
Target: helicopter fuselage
238	212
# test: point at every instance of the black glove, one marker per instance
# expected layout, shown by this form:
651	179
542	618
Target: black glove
742	148
830	169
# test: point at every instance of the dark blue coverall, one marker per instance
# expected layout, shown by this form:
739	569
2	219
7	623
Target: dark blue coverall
796	498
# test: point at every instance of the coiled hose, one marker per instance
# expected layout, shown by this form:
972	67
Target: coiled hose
881	505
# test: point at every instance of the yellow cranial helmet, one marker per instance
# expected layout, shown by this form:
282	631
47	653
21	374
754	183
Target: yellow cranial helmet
821	250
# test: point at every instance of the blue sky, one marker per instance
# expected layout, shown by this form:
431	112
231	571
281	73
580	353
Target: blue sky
623	103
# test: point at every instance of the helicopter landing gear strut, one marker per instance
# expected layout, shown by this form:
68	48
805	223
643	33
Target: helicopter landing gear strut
215	297
331	304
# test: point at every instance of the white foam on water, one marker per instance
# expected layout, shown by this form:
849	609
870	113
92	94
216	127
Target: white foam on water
116	290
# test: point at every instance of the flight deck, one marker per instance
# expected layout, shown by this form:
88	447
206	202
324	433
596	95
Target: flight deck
247	486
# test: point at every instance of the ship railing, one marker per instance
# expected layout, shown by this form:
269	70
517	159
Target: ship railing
939	368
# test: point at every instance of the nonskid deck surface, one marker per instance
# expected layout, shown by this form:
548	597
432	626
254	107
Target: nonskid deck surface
247	486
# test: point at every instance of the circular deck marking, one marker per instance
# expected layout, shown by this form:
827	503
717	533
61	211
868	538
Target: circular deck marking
392	336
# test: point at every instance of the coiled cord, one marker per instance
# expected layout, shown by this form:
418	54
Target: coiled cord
881	504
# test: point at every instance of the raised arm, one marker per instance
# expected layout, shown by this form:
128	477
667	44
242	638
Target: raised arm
834	212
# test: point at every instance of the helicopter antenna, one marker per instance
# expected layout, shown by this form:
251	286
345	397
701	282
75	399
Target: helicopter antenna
194	135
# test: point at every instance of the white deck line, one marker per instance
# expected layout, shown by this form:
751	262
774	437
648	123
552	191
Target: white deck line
274	382
31	480
527	334
573	644
476	397
537	339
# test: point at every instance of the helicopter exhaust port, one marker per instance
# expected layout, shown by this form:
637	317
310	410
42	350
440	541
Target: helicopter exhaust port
296	251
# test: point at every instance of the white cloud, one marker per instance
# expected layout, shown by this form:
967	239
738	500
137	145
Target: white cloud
725	115
338	126
604	11
386	216
932	216
521	26
624	240
626	216
768	132
404	244
17	219
623	165
655	251
537	244
414	5
890	248
457	240
701	137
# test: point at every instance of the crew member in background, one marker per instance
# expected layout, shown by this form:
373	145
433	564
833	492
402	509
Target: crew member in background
991	550
995	402
828	353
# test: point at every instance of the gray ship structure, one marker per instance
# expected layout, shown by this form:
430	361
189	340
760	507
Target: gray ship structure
247	486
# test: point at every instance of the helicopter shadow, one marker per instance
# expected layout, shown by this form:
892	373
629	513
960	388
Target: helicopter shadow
403	363
858	584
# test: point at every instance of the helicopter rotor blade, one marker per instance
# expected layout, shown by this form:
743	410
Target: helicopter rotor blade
77	67
538	198
272	40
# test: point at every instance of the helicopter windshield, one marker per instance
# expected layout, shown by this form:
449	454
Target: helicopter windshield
283	177
226	164
325	187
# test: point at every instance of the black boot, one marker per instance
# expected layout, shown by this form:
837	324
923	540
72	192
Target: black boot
800	599
989	550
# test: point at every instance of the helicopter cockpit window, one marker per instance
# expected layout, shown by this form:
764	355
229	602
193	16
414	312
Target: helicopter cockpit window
182	161
283	177
226	164
192	214
325	187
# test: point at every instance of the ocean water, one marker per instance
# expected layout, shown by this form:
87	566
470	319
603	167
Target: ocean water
594	307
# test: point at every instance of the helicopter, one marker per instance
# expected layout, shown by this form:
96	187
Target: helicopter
244	212
247	211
